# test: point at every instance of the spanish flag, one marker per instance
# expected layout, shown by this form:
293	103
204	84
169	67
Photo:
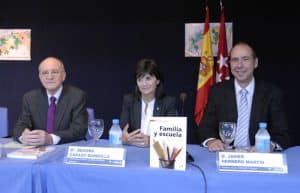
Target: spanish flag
206	75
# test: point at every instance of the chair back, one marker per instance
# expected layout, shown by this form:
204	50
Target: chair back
3	122
91	113
91	116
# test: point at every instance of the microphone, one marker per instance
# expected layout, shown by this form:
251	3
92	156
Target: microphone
182	98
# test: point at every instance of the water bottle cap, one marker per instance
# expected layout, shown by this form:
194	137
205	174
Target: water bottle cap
262	125
115	121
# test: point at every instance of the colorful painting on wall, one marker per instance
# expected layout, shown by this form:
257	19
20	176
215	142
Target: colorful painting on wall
194	37
15	44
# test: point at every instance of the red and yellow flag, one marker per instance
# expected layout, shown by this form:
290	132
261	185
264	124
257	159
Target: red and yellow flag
222	68
205	76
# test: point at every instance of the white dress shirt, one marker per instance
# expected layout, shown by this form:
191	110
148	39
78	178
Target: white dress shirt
146	114
250	90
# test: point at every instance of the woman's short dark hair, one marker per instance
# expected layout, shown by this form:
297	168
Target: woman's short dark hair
149	66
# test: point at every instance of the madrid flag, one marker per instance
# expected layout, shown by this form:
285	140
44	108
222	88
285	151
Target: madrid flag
205	76
222	68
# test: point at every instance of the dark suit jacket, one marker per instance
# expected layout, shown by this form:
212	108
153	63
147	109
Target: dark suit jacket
70	116
267	106
131	110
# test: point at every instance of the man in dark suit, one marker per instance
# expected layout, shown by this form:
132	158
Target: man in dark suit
70	118
265	103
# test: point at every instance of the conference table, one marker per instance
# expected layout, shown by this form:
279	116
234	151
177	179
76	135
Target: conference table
49	174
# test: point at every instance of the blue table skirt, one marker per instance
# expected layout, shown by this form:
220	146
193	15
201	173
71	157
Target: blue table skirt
49	174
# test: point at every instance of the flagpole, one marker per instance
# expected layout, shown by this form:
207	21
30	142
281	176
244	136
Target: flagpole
222	67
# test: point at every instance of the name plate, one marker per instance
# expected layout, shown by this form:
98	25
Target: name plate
252	162
102	156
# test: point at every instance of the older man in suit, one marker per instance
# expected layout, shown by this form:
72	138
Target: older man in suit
69	119
265	104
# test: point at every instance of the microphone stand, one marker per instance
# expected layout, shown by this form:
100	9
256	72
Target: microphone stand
182	97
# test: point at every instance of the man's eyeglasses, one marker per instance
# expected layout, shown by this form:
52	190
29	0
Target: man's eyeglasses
52	72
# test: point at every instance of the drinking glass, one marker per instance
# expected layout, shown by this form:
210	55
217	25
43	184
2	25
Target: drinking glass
227	132
96	128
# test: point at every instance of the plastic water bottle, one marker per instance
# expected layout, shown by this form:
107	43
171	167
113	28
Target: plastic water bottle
115	133
262	139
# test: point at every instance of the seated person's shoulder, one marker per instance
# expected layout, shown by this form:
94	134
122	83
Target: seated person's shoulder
221	87
269	87
32	94
168	98
75	90
129	97
223	84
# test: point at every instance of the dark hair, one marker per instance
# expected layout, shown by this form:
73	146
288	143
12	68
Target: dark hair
149	66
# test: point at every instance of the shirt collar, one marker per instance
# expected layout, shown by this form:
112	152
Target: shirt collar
56	95
249	88
149	103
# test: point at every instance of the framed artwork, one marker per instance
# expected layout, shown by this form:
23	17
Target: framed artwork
15	44
194	37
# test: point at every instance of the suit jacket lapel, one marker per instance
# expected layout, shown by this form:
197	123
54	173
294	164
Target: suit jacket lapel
232	104
61	107
137	105
157	107
257	101
43	108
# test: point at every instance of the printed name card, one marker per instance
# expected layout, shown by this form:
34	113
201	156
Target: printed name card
168	142
102	156
252	162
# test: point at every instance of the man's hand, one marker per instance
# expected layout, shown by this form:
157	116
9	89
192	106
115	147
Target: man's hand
215	145
36	137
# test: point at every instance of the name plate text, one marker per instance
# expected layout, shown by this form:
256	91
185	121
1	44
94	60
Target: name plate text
103	156
252	162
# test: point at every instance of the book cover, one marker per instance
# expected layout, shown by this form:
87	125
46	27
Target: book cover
168	142
30	152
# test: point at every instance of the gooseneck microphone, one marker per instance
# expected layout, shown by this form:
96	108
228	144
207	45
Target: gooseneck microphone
182	98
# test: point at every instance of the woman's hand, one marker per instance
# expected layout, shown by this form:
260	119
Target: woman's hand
135	137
